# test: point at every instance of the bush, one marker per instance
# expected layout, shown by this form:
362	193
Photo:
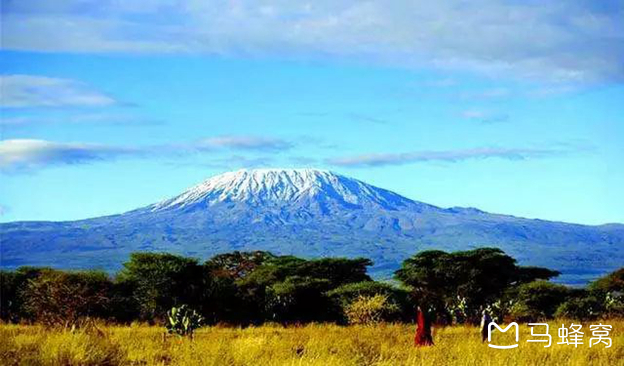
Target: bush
370	310
13	285
538	300
614	304
583	308
67	298
300	299
344	295
183	321
613	282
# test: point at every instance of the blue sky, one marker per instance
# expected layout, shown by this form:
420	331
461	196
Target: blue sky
511	107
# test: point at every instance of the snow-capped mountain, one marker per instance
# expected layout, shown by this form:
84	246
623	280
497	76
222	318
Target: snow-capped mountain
284	186
309	213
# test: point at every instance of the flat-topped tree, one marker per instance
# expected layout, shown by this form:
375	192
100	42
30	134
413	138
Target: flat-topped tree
479	276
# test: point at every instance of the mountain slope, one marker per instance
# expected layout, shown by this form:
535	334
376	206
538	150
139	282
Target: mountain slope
309	213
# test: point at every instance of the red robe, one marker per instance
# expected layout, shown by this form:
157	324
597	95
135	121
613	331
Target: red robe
423	332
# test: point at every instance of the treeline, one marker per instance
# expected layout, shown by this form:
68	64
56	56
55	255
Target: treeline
254	287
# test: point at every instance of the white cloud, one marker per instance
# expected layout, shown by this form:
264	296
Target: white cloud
28	154
376	160
18	154
244	143
22	91
577	41
484	116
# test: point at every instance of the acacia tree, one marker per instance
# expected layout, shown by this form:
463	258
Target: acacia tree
223	298
66	298
159	281
476	277
292	289
13	285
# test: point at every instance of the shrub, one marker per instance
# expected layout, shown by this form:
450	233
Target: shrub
583	308
613	282
13	286
300	299
344	295
538	300
614	304
183	321
67	298
370	309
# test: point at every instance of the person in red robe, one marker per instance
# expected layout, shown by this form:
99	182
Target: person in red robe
423	331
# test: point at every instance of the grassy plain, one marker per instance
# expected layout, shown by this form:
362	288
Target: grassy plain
315	344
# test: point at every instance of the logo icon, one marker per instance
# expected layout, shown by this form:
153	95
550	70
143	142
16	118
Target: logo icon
492	325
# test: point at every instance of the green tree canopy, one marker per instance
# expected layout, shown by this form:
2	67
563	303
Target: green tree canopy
480	275
294	289
160	281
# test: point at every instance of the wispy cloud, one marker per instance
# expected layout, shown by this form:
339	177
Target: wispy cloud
367	119
22	154
244	143
239	161
547	41
491	93
353	116
23	91
86	118
17	155
553	90
376	160
485	116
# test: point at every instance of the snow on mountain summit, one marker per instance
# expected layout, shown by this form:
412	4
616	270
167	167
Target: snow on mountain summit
284	186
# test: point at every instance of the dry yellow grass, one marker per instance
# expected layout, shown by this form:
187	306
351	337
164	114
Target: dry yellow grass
385	344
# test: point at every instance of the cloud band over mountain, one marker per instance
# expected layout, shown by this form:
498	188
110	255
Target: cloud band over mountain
376	160
26	154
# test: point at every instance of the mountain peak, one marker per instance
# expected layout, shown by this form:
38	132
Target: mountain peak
283	186
310	213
